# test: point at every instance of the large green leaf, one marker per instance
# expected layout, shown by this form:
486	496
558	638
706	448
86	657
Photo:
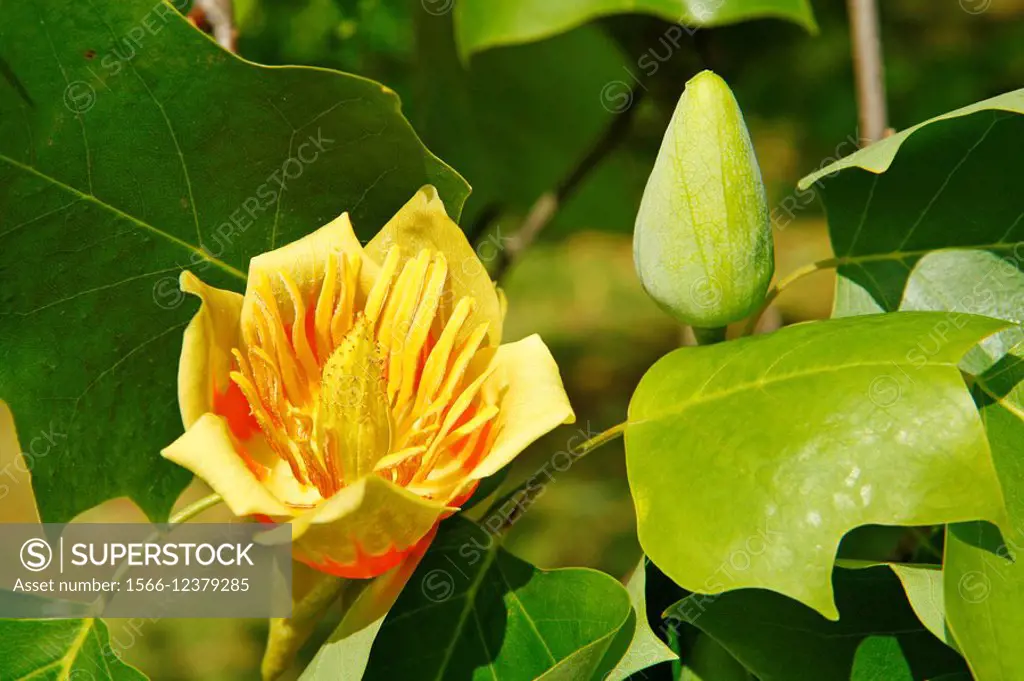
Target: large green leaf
983	573
60	650
877	637
488	23
749	460
121	163
948	183
473	611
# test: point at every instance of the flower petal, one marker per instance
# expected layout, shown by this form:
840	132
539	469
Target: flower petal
367	520
207	450
422	223
206	348
534	402
304	262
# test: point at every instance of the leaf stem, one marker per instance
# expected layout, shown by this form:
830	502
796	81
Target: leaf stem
194	509
602	438
519	496
785	282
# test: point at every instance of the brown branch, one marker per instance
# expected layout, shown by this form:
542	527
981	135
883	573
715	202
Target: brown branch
546	207
868	69
219	17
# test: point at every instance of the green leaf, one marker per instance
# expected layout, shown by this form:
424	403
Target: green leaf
880	658
482	24
947	183
473	611
60	650
644	649
749	460
877	637
924	587
709	661
983	573
129	143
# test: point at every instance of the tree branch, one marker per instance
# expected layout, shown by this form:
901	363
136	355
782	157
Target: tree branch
545	207
868	70
219	16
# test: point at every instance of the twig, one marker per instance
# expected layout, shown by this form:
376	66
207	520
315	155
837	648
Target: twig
868	69
545	207
220	15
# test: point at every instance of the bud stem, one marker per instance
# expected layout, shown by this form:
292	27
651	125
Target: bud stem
709	336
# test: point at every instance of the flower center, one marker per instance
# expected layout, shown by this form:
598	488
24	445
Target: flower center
345	386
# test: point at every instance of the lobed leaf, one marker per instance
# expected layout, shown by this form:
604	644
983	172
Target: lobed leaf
749	460
133	147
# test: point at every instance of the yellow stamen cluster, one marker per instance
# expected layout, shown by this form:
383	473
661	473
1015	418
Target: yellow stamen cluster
344	386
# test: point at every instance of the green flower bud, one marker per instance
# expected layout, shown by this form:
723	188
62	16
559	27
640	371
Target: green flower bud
703	241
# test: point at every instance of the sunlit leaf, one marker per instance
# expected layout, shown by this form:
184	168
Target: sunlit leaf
983	572
924	587
644	649
749	460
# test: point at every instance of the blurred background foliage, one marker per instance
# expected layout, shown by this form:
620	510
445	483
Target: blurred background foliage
515	121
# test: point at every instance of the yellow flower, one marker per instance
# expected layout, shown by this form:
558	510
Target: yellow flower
359	393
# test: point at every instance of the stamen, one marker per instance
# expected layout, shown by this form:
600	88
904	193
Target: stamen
350	388
300	340
345	312
325	310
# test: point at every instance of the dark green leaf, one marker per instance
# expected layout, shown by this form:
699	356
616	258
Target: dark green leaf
709	661
132	147
877	637
514	136
880	658
473	611
947	183
749	460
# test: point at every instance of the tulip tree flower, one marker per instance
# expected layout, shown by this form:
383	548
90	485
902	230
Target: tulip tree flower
359	393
